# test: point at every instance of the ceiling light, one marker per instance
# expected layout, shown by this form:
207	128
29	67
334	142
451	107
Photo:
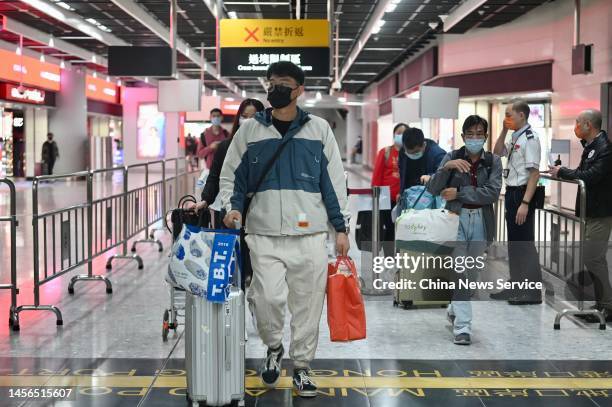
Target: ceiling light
377	26
443	17
42	58
64	6
319	96
118	82
146	79
62	65
370	63
232	14
93	59
18	51
95	74
244	93
51	42
187	52
433	25
107	79
214	93
391	8
229	99
342	100
181	11
256	3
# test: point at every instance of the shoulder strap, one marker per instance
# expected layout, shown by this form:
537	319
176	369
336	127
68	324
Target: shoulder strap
488	161
264	173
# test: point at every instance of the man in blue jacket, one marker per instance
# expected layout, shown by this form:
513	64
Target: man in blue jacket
418	159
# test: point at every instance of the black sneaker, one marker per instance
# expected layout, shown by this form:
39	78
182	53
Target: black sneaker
303	384
271	370
462	339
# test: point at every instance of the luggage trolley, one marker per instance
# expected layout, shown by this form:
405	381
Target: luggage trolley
176	309
175	313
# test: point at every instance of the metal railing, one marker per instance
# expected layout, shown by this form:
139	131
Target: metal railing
559	237
572	225
12	219
68	238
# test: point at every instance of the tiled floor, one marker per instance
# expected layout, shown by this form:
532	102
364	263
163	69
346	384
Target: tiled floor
515	347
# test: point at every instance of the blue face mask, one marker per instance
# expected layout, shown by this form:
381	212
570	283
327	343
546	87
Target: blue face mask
415	156
216	121
397	139
474	146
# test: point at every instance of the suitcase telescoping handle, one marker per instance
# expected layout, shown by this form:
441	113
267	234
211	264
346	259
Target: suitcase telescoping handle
228	331
228	315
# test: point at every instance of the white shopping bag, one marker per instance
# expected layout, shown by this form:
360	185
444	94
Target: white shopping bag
190	261
429	225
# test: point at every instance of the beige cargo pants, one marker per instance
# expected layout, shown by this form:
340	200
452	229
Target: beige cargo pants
289	270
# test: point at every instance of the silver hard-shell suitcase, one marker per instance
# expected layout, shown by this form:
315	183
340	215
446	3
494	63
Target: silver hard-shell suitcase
214	349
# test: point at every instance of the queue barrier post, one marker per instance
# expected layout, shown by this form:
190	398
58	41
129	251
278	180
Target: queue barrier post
12	219
368	276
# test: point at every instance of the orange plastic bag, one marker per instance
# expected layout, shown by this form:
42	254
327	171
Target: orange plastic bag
345	308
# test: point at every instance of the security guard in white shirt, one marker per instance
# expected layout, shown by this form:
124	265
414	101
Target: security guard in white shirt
522	174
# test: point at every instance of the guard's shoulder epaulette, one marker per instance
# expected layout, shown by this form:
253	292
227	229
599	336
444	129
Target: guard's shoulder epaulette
529	134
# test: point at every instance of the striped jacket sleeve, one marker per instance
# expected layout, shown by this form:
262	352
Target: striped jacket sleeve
333	184
233	181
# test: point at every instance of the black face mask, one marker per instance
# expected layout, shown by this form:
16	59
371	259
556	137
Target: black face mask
279	96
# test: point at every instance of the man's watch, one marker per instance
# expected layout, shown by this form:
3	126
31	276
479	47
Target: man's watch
525	202
347	230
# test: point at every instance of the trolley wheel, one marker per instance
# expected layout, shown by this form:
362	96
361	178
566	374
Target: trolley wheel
59	322
407	304
395	304
70	290
602	327
557	327
140	266
109	266
133	249
109	290
165	326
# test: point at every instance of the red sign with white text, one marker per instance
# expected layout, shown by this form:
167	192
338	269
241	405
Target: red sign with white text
23	95
29	71
230	107
100	89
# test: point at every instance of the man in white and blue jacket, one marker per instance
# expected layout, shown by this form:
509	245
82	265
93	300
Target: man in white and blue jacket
287	219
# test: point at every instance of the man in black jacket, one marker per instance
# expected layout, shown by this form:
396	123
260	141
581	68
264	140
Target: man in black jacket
595	170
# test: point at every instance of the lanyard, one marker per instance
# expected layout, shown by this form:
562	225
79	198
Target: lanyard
516	141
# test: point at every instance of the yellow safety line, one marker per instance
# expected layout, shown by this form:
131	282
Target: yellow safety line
322	382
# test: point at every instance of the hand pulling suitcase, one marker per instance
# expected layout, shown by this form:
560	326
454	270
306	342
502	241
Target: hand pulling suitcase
214	349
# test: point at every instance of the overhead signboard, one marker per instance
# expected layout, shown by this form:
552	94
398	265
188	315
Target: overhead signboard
28	70
102	90
248	46
140	61
184	95
439	102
